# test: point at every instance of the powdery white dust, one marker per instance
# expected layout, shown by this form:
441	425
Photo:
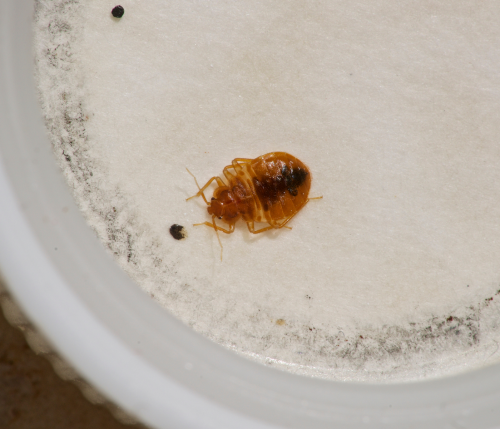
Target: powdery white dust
393	275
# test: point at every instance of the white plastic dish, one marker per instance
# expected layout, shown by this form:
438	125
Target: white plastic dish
133	351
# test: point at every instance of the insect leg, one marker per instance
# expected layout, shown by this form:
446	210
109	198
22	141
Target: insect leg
236	163
250	226
227	174
217	227
235	166
200	193
283	224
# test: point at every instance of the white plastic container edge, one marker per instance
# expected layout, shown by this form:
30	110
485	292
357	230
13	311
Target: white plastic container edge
133	351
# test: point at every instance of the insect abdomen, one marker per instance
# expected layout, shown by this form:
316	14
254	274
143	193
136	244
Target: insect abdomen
281	183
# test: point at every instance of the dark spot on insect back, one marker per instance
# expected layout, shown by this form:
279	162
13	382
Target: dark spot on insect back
294	178
177	231
272	188
118	11
267	189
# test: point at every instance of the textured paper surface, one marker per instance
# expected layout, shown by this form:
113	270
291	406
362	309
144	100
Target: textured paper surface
393	106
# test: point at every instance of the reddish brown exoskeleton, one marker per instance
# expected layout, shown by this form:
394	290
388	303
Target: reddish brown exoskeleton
272	188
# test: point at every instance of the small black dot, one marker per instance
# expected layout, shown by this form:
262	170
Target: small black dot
177	231
118	11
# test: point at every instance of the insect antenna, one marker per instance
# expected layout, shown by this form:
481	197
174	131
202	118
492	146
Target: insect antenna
195	181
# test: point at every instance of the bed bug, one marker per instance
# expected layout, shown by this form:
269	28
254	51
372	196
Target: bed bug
271	188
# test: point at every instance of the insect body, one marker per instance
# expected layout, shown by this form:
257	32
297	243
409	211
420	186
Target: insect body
271	188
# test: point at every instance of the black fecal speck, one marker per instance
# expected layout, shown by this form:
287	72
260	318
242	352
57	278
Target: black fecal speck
68	158
177	231
118	11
